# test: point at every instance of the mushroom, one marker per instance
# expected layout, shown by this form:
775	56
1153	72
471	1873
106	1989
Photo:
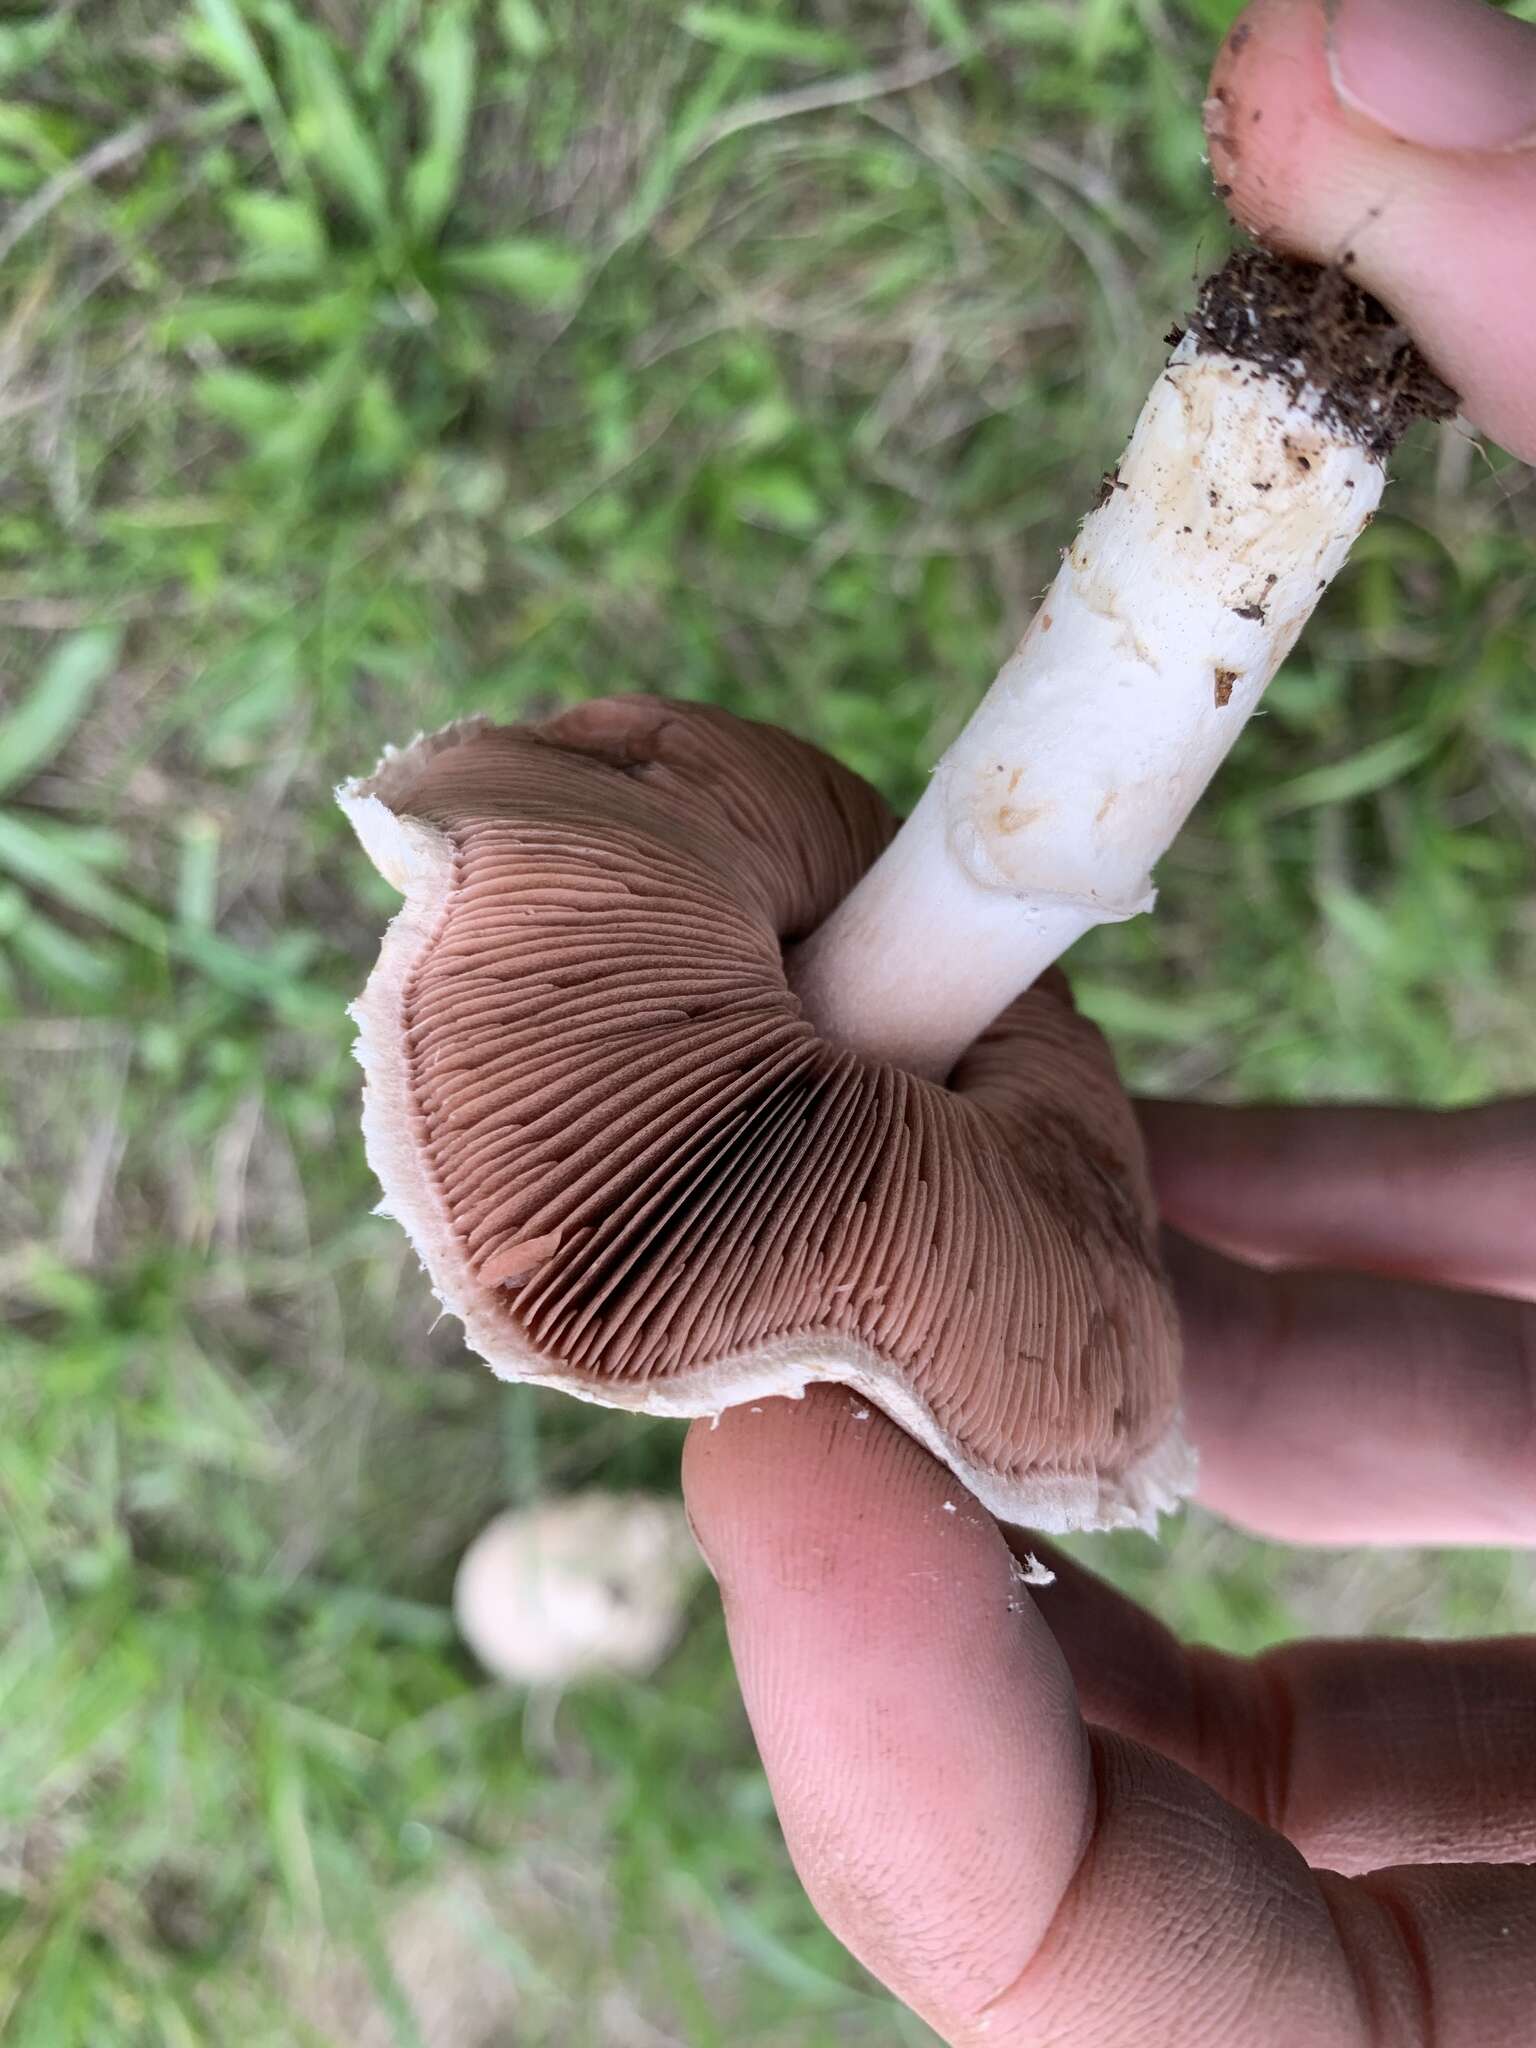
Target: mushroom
692	1084
587	1585
636	1170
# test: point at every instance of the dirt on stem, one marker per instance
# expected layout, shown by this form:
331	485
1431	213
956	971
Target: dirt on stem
1314	328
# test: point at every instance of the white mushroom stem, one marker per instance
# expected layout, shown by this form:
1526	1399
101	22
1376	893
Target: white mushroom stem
1232	509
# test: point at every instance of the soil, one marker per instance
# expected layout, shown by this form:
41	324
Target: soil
1311	325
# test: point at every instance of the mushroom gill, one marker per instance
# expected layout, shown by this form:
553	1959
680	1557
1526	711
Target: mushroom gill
636	1170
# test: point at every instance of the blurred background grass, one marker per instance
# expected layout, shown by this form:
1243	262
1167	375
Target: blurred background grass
364	365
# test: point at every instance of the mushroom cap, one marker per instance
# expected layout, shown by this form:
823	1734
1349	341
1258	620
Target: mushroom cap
635	1171
587	1585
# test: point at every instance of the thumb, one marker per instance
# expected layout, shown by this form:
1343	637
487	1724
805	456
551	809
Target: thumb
1015	1876
917	1721
1401	133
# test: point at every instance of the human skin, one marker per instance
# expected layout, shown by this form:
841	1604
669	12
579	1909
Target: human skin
1036	1816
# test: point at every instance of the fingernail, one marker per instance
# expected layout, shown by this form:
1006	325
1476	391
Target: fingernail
1445	74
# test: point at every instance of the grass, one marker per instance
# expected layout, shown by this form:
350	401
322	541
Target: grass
360	366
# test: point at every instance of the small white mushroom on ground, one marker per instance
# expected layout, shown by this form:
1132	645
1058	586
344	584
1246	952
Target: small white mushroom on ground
590	1585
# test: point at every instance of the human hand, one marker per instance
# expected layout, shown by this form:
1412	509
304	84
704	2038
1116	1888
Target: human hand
1434	198
1041	1818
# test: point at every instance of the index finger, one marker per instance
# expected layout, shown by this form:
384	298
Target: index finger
1442	1195
1014	1875
1346	1408
1334	1395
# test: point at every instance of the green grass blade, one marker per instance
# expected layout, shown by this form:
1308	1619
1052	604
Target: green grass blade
947	20
57	702
288	1824
327	124
52	954
690	126
283	237
23	47
255	405
197	874
386	31
1375	767
758	35
1161	1019
523	29
230	44
43	861
445	65
537	269
290	448
278	324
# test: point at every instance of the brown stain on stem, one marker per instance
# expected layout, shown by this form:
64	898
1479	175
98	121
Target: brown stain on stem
1009	818
1103	600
